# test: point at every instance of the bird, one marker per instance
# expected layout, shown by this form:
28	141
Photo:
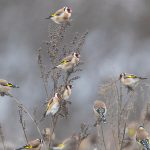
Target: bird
67	92
5	87
33	145
70	143
69	62
100	110
53	105
62	15
131	130
142	137
130	80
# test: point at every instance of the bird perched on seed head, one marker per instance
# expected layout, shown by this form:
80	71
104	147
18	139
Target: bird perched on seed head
130	80
53	105
60	16
67	92
142	138
100	110
33	145
5	87
69	62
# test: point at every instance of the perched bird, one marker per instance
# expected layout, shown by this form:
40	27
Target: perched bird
67	92
131	130
100	110
53	105
69	62
142	138
70	143
130	135
33	145
5	87
48	135
61	15
130	80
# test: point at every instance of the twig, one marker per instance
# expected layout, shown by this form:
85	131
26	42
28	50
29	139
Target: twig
30	116
2	137
22	122
103	136
123	136
41	69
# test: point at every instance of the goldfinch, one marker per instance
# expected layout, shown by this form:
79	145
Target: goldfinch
69	62
33	145
131	130
5	87
70	143
53	105
60	16
100	110
142	138
67	92
48	135
130	80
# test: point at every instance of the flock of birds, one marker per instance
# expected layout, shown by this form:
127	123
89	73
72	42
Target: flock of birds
53	105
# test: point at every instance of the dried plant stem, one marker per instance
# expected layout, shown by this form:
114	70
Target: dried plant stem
2	137
103	136
30	116
40	63
116	145
22	122
123	136
54	122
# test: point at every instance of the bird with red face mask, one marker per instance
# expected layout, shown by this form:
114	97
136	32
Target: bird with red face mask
60	16
69	62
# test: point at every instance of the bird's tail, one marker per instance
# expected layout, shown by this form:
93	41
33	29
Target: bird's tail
19	148
142	78
12	85
54	67
49	17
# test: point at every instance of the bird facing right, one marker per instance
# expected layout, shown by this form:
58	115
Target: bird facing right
53	105
67	92
60	16
69	62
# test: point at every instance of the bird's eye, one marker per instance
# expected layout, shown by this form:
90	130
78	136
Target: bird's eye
68	9
77	55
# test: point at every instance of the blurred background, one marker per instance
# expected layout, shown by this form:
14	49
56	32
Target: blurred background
118	41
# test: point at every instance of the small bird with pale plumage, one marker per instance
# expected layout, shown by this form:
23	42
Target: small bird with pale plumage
33	145
5	87
53	105
69	62
67	92
142	137
100	110
62	15
130	81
